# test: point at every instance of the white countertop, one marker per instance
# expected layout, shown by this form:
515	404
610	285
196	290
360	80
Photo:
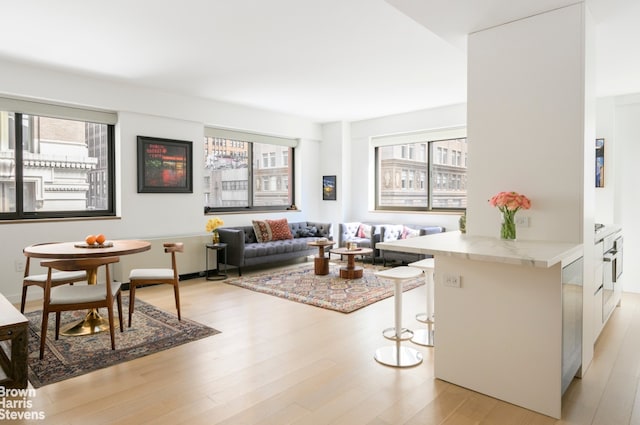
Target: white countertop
531	253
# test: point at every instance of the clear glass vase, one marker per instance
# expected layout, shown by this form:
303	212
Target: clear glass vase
508	226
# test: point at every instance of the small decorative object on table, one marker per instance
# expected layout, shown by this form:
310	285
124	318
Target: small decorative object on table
509	203
212	226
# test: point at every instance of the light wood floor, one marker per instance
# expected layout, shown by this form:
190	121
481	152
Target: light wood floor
280	362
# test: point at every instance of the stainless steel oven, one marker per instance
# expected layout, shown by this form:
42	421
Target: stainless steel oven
612	285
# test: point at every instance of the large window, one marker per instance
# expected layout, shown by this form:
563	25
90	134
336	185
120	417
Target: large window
55	163
433	180
247	171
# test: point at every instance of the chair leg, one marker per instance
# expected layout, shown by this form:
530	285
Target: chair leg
176	292
119	300
43	332
132	299
24	299
57	325
111	330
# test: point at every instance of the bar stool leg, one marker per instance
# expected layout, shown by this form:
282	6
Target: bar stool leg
425	337
398	355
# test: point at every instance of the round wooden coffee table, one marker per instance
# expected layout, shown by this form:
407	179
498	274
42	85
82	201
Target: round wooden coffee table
351	271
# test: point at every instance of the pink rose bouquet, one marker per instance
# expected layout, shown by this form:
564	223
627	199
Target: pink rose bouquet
509	203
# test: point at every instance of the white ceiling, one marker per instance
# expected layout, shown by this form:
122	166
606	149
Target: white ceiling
327	60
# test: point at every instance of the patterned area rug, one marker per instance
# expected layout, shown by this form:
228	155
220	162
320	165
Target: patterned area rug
152	330
300	284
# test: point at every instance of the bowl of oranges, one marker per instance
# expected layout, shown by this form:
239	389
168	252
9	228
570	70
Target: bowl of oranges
95	241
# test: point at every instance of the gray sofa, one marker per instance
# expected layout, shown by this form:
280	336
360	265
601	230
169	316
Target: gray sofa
369	234
243	248
394	232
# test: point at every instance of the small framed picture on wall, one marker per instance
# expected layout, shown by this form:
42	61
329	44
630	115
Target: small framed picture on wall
599	162
329	188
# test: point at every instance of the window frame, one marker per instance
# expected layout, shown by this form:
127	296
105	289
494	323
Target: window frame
253	139
433	179
21	108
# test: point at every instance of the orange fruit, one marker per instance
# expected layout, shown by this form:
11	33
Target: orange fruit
90	239
100	238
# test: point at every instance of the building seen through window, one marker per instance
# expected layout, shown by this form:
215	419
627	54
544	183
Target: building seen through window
53	167
422	176
240	175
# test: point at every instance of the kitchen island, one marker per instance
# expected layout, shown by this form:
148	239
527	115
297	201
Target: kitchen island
508	315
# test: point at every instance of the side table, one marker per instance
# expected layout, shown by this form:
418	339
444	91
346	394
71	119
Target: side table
216	247
13	327
321	261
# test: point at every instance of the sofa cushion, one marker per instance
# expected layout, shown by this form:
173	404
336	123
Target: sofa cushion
393	232
307	231
262	230
279	229
275	247
408	232
364	231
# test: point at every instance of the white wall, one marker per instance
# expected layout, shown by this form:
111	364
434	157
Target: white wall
526	126
618	122
145	215
150	113
333	160
31	82
627	182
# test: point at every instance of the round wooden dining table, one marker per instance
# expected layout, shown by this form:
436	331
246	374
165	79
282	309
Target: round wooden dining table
93	322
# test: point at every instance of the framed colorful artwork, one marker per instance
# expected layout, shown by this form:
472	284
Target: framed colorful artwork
164	165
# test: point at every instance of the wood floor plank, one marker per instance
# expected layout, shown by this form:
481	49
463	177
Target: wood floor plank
618	399
281	362
446	403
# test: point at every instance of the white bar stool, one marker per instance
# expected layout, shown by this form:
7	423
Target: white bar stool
397	355
425	336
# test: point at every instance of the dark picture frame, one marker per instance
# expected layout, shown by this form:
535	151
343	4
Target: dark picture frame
329	188
599	162
164	165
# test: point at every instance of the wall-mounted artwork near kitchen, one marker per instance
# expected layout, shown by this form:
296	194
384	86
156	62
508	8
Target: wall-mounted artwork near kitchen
599	162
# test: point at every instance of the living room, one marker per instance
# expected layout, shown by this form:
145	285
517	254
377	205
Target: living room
333	148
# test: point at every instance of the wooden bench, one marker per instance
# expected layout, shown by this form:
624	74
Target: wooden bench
13	327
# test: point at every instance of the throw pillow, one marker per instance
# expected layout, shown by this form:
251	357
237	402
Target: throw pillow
306	232
364	231
262	230
280	229
408	232
393	232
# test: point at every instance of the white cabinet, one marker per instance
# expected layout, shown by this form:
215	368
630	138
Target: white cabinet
597	305
608	269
